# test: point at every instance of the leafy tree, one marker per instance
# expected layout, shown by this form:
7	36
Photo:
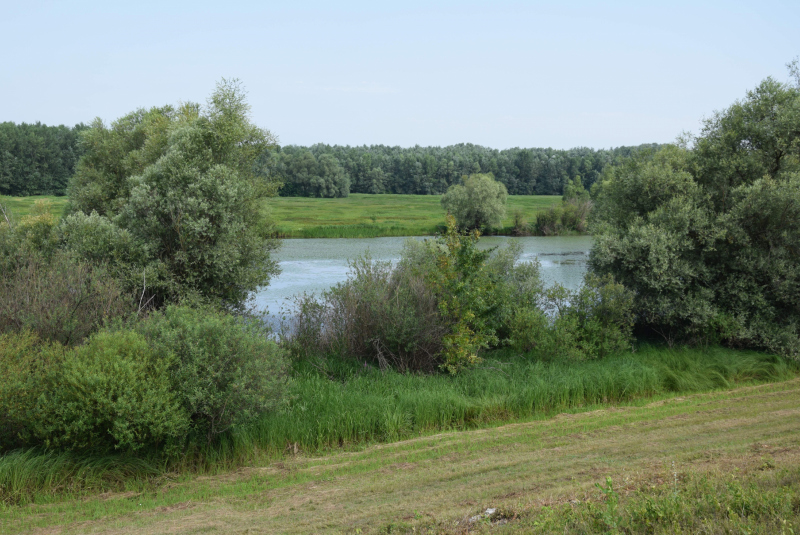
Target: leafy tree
707	238
170	197
480	202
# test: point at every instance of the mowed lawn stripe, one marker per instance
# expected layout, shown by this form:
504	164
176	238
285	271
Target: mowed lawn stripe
453	475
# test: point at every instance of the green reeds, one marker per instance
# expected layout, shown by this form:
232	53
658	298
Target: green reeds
367	405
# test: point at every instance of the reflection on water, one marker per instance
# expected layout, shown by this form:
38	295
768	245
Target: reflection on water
314	265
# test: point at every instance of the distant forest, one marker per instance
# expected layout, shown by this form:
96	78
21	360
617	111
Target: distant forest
37	159
335	171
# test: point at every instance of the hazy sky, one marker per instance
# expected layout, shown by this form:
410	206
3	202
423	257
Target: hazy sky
500	74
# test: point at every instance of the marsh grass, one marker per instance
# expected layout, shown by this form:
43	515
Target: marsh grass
350	406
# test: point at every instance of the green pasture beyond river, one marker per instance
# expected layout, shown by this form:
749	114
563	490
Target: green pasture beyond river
314	265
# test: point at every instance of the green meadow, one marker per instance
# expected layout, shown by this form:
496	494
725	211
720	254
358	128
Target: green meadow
358	216
366	216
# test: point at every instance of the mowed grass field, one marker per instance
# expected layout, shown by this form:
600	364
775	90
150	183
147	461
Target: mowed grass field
721	462
356	216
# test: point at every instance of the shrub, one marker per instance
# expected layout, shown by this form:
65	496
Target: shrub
60	298
114	392
225	371
707	237
593	322
385	316
25	363
478	203
441	304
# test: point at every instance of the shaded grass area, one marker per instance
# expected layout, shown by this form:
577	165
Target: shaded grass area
366	216
350	406
731	457
21	206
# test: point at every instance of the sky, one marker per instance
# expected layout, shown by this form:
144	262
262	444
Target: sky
499	74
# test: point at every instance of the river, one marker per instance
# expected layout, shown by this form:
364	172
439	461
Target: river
314	265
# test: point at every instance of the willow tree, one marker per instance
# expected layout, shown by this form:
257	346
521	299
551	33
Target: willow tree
169	198
478	203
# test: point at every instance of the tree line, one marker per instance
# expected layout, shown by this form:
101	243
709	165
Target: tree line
335	171
36	159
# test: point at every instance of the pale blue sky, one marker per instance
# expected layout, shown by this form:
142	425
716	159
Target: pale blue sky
500	74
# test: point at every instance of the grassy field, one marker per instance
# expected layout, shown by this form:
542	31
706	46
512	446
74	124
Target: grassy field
722	462
365	216
356	216
21	206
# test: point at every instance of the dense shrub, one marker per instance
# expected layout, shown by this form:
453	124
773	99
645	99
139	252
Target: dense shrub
478	203
25	364
169	197
114	392
592	322
224	372
570	216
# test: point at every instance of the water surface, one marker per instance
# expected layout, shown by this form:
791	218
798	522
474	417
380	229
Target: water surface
314	265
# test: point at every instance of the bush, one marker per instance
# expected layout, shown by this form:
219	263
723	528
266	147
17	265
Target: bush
388	317
25	364
590	323
225	371
114	392
707	237
60	298
570	216
478	203
442	304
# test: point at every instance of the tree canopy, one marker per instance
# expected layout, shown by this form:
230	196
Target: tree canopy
478	203
707	236
170	197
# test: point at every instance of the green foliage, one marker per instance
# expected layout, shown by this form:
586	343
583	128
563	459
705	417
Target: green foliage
37	159
590	323
706	238
574	190
224	371
570	217
479	203
53	292
175	200
25	365
306	176
431	170
443	303
114	392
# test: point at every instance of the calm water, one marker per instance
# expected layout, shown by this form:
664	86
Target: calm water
314	265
